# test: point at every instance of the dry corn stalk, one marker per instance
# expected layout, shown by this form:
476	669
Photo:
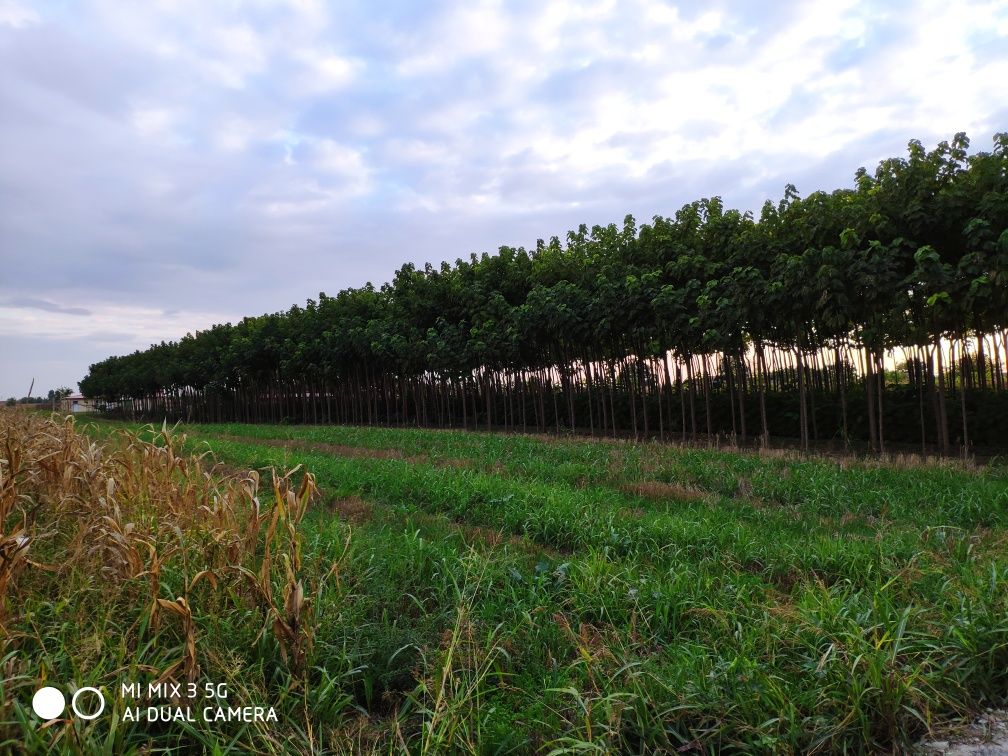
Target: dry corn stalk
131	509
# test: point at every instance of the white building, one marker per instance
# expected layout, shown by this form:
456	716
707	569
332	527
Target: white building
77	403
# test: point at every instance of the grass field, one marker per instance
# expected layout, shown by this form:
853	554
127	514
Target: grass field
498	593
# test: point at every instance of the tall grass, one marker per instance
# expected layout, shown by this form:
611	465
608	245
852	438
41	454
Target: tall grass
131	561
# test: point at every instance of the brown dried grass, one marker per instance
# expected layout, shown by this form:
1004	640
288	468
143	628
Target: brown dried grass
352	509
133	508
661	491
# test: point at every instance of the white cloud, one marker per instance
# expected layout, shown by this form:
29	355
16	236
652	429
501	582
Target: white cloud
325	71
469	30
16	14
238	53
235	134
139	326
334	160
156	123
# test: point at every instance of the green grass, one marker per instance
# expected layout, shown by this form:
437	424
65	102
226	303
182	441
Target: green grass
508	593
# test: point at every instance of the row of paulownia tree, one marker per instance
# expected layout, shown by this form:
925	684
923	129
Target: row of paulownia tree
867	315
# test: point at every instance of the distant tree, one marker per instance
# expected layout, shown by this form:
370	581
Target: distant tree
55	395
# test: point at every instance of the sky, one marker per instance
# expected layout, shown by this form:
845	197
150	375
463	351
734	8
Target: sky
169	164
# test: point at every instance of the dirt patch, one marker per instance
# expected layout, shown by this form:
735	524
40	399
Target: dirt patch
987	735
660	491
782	580
224	470
494	538
459	464
847	518
587	639
744	492
475	533
352	509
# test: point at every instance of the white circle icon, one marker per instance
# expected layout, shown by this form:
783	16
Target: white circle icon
93	714
49	703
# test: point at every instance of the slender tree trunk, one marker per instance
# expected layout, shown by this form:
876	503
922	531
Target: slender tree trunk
870	391
726	370
802	405
962	397
764	385
643	388
920	399
692	397
841	379
612	396
995	360
880	379
740	383
707	393
981	362
942	419
682	401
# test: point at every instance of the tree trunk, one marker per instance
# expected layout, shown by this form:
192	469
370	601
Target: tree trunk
870	391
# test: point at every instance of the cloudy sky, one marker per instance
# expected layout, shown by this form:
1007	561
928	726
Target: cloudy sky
168	164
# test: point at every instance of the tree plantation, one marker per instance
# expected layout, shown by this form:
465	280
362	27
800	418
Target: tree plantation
871	315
